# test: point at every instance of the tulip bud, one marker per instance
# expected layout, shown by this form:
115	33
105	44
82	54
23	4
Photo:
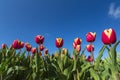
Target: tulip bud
77	41
21	44
39	39
78	48
33	50
89	59
90	47
28	46
90	36
56	55
59	42
109	36
3	46
15	44
64	51
41	47
46	52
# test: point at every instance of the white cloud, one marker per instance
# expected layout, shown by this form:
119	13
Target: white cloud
114	11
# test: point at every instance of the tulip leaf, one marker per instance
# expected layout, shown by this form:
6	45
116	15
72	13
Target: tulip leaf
99	56
94	74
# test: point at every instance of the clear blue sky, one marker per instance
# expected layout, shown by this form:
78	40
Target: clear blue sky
24	19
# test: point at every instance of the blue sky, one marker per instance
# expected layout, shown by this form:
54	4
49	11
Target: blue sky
24	19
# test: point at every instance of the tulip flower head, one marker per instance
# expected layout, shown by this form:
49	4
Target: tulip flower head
59	42
46	52
39	39
3	46
33	50
64	51
90	37
21	44
28	46
89	59
90	47
78	48
108	36
17	44
77	41
41	47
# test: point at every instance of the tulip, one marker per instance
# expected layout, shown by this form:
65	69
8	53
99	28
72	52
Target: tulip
21	44
41	47
64	51
15	44
56	55
78	48
90	47
74	45
90	37
109	36
46	52
28	46
77	41
59	42
89	59
39	39
3	46
33	50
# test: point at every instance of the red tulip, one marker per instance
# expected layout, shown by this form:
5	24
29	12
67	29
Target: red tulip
78	48
109	36
46	52
3	46
74	45
21	44
90	36
41	47
89	59
33	50
59	42
90	47
77	41
15	44
28	46
39	39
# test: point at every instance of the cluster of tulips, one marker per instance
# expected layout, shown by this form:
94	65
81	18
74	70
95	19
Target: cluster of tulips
30	64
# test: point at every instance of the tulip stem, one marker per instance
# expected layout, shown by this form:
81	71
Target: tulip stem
1	77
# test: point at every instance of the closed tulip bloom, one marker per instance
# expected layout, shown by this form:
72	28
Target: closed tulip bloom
3	46
21	44
77	41
64	51
28	46
39	39
59	42
78	48
90	37
15	44
74	45
89	59
46	52
90	47
41	47
108	36
33	50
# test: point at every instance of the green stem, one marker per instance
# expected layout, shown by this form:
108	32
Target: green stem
1	77
78	75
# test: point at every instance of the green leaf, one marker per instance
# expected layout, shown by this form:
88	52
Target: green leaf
10	70
94	74
99	57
